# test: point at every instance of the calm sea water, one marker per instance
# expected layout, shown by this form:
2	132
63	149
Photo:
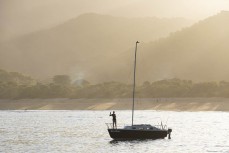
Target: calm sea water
85	131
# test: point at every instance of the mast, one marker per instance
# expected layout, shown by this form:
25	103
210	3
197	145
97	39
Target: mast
135	60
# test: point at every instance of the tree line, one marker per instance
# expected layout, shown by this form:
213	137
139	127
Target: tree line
14	85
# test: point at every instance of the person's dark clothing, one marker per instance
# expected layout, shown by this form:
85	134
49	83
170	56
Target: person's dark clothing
114	119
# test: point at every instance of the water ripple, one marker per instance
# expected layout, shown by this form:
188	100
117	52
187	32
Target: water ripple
85	131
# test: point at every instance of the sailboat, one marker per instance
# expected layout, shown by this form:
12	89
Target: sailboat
138	131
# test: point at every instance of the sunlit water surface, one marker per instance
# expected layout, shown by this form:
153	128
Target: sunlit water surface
85	131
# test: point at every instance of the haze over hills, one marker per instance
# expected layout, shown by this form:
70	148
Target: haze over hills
84	47
25	16
199	53
103	51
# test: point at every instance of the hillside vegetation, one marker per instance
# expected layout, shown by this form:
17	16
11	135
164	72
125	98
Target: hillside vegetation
17	86
199	53
101	49
89	45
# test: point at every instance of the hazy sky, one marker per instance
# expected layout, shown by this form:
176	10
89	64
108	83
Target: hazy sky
23	16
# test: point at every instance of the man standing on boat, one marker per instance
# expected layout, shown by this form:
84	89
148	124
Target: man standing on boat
114	119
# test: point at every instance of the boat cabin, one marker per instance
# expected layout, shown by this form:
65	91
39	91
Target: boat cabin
143	127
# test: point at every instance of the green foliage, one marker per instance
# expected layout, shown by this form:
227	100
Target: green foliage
16	77
17	86
62	80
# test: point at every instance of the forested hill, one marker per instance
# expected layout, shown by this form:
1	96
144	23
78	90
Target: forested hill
198	53
100	53
84	45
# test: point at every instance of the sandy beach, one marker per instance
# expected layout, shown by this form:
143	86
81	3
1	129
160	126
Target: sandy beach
173	104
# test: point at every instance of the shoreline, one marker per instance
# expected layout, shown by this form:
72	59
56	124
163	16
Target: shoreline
169	104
